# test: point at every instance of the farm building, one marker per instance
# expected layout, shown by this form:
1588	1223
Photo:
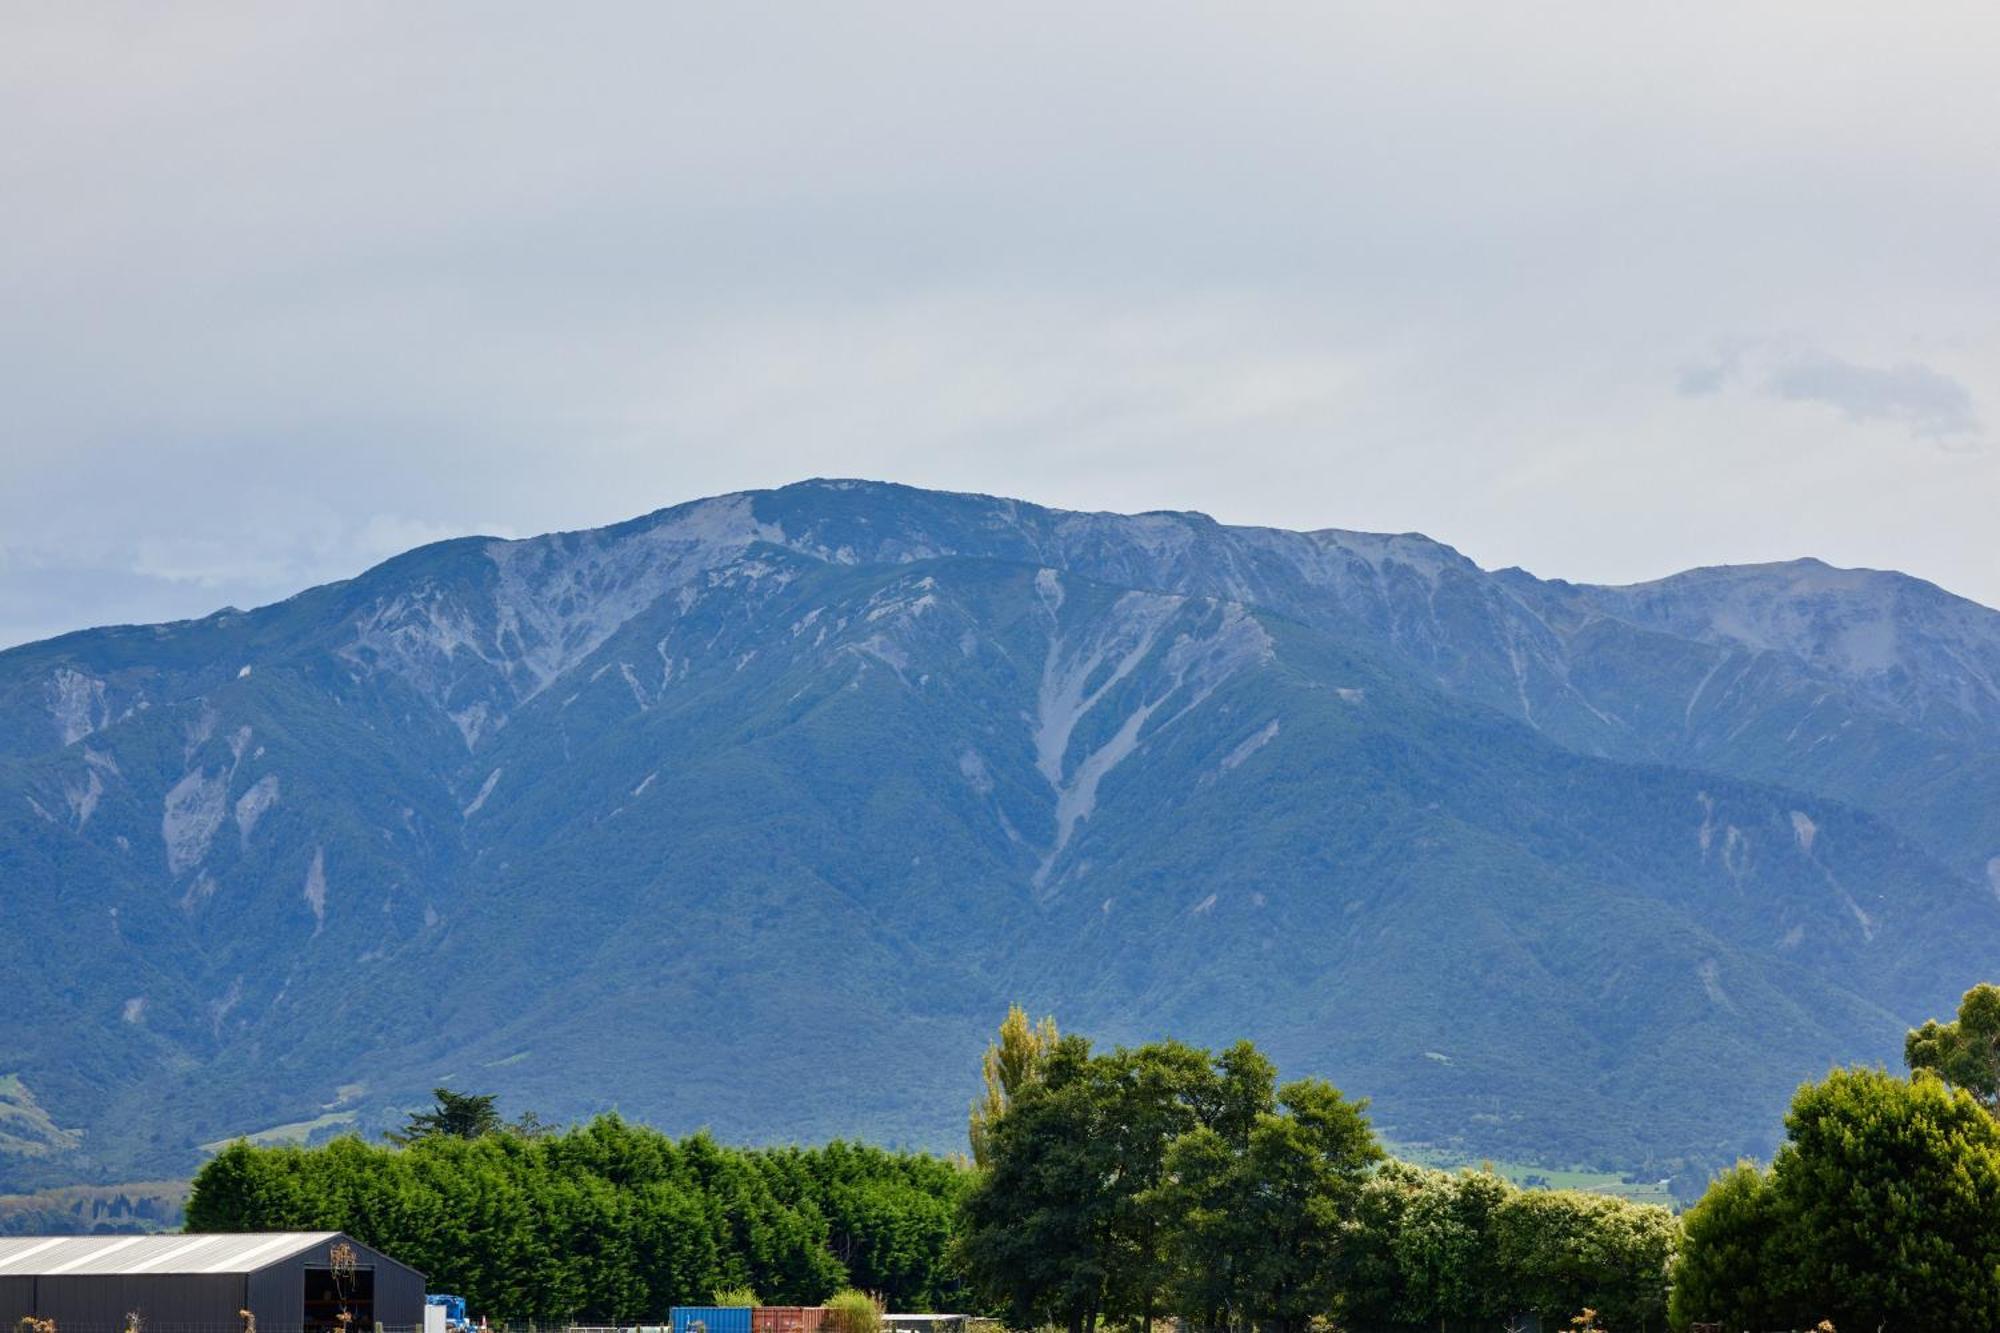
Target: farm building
291	1281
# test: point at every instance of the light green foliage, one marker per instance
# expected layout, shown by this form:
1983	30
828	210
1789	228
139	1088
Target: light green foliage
853	1311
1562	1251
1470	1249
609	1222
1881	1209
729	1297
1013	1062
1966	1051
1427	1252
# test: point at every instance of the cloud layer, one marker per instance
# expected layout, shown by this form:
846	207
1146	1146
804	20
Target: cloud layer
287	286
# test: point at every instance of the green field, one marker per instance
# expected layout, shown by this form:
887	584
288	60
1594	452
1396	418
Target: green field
1532	1175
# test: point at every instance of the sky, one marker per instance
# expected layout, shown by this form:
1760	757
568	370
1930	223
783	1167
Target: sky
1604	291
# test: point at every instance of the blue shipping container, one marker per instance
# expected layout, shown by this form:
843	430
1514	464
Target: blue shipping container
712	1318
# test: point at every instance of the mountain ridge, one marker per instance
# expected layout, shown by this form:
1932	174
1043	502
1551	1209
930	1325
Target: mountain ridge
817	778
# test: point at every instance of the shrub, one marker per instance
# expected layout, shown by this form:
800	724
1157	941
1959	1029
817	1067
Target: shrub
853	1312
730	1297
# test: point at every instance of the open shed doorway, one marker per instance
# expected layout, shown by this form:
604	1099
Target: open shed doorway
332	1292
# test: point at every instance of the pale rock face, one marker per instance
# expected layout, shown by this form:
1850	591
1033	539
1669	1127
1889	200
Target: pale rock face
560	598
77	704
315	890
1908	646
972	767
194	809
1077	676
1804	830
82	796
252	805
1255	742
478	802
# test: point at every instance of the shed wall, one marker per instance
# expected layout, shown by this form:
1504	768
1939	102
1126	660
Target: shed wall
17	1300
165	1302
206	1302
277	1293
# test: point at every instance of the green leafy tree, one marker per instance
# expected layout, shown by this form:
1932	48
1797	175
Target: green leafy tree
1966	1051
1037	1224
1303	1170
1882	1208
1724	1272
1560	1251
1061	1226
1426	1252
1261	1230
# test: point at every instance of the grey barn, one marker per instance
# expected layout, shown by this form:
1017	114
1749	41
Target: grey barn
291	1281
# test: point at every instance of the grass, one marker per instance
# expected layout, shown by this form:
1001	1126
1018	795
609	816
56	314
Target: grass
1532	1175
25	1128
299	1131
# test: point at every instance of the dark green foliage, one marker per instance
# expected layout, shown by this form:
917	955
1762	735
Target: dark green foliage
460	1115
1160	1180
1260	1231
1067	1223
1881	1209
609	1222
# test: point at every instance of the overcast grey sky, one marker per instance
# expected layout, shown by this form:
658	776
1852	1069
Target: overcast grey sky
1601	290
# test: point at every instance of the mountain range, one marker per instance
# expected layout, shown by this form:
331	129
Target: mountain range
757	811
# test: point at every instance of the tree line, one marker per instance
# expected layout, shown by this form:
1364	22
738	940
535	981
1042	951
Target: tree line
1116	1188
607	1222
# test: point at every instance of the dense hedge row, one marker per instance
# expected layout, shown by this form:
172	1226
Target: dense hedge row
609	1222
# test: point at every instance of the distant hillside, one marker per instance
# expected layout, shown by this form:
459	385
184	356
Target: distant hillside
150	1205
757	811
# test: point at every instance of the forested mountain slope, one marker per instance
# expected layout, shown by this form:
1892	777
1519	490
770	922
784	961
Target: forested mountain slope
757	811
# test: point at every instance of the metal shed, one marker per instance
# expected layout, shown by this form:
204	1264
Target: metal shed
292	1281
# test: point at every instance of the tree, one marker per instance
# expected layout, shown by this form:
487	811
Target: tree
1035	1226
1426	1248
456	1115
1261	1230
1303	1170
1724	1271
1565	1250
1882	1207
1011	1065
1965	1052
1889	1193
1061	1226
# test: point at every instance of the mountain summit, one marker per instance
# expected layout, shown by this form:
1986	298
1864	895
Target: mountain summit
756	812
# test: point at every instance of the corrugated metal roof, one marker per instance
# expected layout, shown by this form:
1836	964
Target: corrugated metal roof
66	1256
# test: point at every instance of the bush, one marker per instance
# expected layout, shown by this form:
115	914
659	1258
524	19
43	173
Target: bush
853	1312
731	1297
